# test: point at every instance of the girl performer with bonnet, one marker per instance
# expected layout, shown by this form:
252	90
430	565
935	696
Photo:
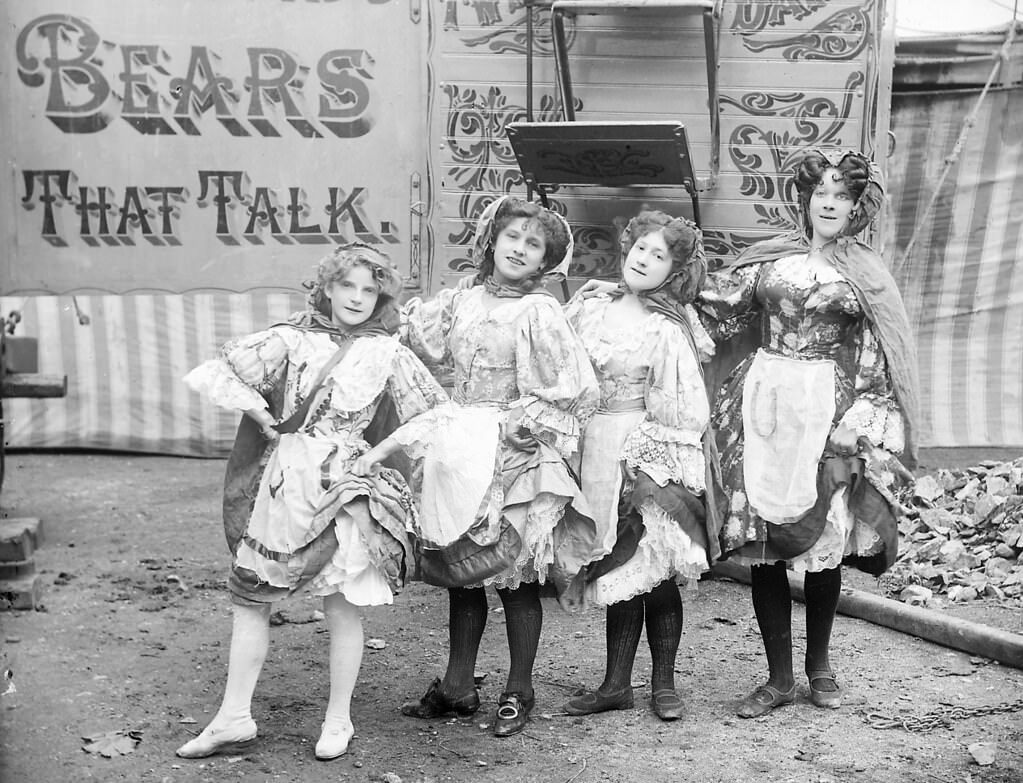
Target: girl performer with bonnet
809	422
315	511
644	465
499	505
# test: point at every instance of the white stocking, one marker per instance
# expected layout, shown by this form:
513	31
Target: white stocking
345	628
250	641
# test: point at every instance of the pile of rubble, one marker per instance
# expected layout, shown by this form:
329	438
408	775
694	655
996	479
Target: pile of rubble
963	538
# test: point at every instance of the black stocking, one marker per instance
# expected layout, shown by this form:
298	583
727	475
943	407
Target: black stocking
624	626
772	603
467	617
523	617
822	590
663	632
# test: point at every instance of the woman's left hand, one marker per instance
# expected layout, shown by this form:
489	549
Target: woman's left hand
593	288
844	442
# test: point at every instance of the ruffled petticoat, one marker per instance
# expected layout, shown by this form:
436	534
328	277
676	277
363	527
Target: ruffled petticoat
472	480
842	537
665	550
302	536
745	534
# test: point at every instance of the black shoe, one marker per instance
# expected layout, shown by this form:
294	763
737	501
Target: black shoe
594	701
512	713
667	705
434	704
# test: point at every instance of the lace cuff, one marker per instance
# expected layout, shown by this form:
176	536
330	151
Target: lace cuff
550	424
215	381
877	420
666	460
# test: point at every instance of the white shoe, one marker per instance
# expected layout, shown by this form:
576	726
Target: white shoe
216	739
335	735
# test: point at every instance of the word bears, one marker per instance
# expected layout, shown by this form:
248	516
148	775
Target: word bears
88	88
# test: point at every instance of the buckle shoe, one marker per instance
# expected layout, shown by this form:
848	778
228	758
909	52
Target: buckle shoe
512	713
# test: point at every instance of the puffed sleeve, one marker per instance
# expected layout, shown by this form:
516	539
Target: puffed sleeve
727	303
875	413
558	391
412	387
574	309
425	325
245	369
667	444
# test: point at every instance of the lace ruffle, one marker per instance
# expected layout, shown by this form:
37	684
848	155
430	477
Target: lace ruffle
664	552
552	425
215	380
879	421
537	555
360	377
666	459
604	345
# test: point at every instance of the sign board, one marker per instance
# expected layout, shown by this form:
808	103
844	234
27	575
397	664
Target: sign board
166	146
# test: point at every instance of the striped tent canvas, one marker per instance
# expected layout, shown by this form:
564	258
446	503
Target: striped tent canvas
125	357
963	279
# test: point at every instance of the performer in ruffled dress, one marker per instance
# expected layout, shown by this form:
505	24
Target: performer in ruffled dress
808	424
499	504
306	505
644	466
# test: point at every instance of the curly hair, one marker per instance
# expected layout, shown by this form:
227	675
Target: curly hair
336	265
555	235
854	170
685	246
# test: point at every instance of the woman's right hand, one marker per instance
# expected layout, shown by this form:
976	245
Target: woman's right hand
366	465
594	287
629	473
517	436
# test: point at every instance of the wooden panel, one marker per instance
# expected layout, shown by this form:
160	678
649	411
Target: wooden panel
792	76
26	384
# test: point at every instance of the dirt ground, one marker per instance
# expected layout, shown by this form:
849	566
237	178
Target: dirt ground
133	636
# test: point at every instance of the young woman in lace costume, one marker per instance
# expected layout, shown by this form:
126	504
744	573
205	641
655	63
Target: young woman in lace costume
306	504
495	477
643	467
808	423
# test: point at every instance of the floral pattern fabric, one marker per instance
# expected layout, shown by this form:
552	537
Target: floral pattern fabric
802	312
653	413
513	354
296	511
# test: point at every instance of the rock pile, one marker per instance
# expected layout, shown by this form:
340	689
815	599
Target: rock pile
963	538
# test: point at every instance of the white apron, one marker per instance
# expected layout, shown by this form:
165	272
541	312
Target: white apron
787	410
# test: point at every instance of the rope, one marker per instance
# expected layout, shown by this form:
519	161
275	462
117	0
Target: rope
1002	58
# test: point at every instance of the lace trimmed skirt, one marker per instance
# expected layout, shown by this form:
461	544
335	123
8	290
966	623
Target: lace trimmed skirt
472	480
316	527
673	542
